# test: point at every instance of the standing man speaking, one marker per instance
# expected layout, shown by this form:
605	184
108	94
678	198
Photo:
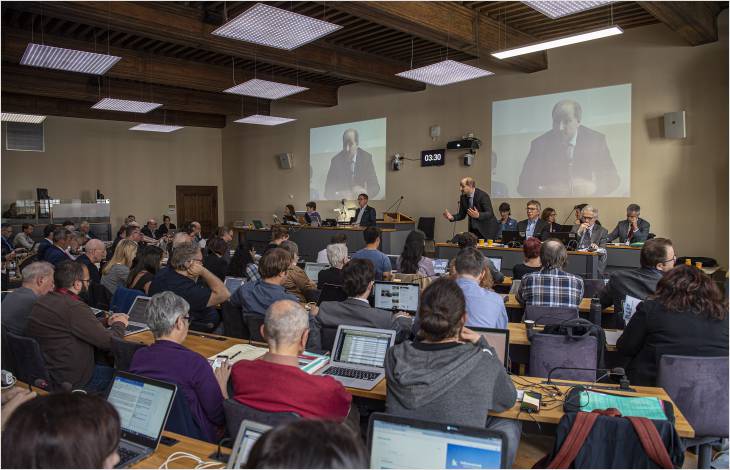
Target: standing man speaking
477	205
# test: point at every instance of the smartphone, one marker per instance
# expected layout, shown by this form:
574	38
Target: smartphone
531	402
219	361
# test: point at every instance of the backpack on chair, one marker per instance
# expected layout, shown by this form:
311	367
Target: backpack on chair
578	329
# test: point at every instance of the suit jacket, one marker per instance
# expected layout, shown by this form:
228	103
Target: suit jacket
330	275
94	273
149	233
539	227
548	169
599	235
340	179
622	231
638	283
55	255
368	218
549	229
486	224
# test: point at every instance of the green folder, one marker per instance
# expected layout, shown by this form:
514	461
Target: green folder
647	407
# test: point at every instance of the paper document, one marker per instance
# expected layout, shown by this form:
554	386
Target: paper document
647	407
308	362
612	336
630	304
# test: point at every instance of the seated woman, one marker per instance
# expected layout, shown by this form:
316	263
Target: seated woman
412	261
297	282
312	217
167	359
531	248
449	373
243	263
145	266
215	261
686	316
62	430
337	257
290	215
116	271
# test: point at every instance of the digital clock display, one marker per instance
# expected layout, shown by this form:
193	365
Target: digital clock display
432	157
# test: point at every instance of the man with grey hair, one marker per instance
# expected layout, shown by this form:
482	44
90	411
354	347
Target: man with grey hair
85	229
203	387
16	306
351	171
591	236
274	383
337	257
94	253
568	160
184	269
57	252
633	229
551	286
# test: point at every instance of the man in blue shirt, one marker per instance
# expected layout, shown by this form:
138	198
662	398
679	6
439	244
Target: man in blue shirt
505	221
255	297
533	225
484	308
380	261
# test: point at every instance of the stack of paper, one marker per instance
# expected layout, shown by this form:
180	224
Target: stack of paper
308	362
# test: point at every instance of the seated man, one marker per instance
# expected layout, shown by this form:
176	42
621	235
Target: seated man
279	233
338	238
591	236
85	230
8	248
181	278
24	238
551	286
380	260
657	257
257	296
68	332
16	306
274	383
150	230
57	252
359	279
94	252
632	230
484	308
533	225
47	240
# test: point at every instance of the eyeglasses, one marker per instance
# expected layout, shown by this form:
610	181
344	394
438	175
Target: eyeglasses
186	318
673	258
531	208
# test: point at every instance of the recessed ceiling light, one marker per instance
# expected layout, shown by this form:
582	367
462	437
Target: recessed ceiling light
560	42
155	128
265	89
557	9
27	118
264	120
444	73
71	60
274	27
128	106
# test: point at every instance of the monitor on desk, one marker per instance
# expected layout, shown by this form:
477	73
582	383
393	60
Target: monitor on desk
396	296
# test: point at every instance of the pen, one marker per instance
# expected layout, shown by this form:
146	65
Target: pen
239	352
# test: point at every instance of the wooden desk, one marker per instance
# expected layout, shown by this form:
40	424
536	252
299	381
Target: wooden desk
200	449
584	307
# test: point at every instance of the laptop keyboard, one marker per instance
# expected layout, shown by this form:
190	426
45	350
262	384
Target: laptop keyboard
351	373
125	455
131	327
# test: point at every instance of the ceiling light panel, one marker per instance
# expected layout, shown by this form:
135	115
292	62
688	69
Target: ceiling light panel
558	9
155	128
444	73
265	89
26	118
264	120
274	27
71	60
560	42
127	106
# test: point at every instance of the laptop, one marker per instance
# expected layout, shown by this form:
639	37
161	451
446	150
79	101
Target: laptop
312	270
358	356
233	283
393	261
248	434
258	225
498	339
399	442
396	296
143	405
509	236
515	286
138	316
496	261
569	239
592	287
331	293
440	266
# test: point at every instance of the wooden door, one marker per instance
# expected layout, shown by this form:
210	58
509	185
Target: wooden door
198	203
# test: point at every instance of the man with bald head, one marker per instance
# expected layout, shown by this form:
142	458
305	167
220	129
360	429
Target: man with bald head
351	171
150	230
568	160
94	253
477	205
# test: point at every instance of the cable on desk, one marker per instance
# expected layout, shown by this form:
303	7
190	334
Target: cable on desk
199	463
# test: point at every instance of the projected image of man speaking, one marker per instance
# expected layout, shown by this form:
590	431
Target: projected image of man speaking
351	171
568	160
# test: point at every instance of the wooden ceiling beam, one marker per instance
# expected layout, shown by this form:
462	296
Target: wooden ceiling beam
47	106
174	23
167	70
452	24
696	22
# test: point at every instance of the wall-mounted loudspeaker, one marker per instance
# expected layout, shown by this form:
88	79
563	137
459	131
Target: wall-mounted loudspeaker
286	161
674	126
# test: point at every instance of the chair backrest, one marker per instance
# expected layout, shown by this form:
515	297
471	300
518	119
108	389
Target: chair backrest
123	299
29	259
29	362
698	386
549	351
236	412
253	322
233	324
7	358
181	419
549	315
123	352
328	335
426	225
419	279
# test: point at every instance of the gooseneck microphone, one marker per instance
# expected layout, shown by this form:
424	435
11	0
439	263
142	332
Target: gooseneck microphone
616	371
397	201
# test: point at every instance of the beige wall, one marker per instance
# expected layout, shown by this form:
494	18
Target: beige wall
681	185
138	171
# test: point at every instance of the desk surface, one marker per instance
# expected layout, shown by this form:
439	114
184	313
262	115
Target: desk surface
309	227
201	449
584	307
505	248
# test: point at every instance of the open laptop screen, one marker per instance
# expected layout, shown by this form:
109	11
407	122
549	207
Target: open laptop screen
366	348
138	310
396	296
417	444
143	405
498	339
233	283
248	434
312	270
440	266
497	262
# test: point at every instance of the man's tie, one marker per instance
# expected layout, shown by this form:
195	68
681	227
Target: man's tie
631	233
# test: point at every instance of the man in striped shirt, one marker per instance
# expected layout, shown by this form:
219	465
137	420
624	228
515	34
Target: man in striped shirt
551	286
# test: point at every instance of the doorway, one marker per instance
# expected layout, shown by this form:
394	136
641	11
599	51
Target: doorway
198	203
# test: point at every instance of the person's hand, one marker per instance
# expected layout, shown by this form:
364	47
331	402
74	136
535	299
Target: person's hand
196	269
12	399
252	252
400	314
468	336
473	213
448	216
222	374
594	246
635	225
583	227
313	309
122	318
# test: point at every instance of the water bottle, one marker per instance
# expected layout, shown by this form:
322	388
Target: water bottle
11	269
595	312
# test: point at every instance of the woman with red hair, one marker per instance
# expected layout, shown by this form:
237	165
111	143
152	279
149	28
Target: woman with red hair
532	259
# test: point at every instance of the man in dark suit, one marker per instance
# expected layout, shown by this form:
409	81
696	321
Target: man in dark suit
633	229
56	253
591	236
351	171
7	249
657	257
477	205
533	225
365	215
569	160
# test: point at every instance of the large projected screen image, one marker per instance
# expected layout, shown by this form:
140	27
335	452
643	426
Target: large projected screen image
571	144
346	160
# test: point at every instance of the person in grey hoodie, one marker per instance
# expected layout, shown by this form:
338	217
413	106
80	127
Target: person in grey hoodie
450	374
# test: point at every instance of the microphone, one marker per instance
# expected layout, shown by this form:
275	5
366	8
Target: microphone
397	201
617	371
